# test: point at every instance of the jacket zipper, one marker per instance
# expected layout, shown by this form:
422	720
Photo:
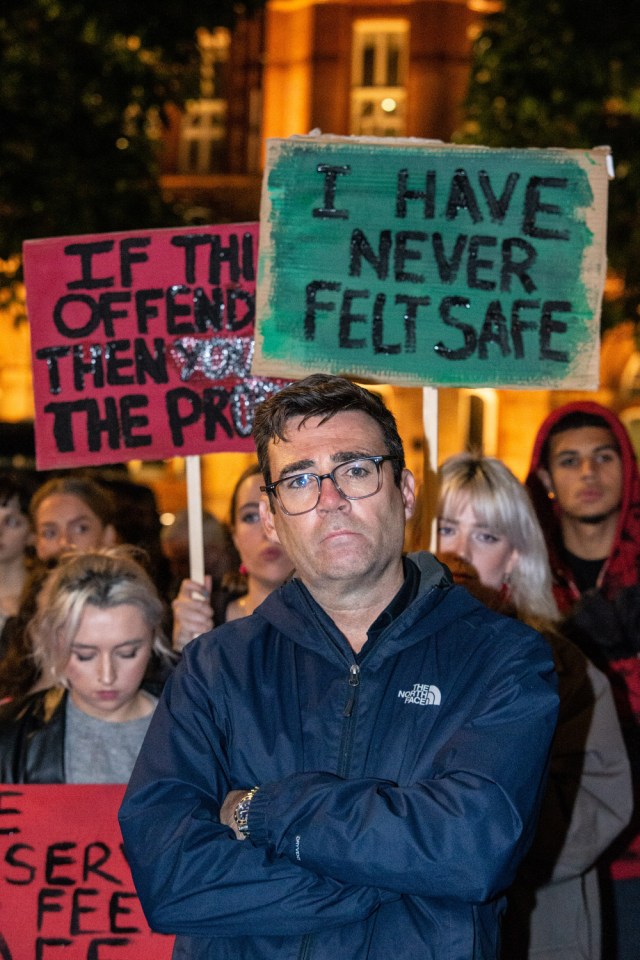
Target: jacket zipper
349	720
354	682
345	757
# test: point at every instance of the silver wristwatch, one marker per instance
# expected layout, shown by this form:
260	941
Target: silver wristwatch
241	812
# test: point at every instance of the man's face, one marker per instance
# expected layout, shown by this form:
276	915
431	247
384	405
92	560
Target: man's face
585	473
340	540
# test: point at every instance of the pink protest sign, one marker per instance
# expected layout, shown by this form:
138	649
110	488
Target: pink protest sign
142	344
66	887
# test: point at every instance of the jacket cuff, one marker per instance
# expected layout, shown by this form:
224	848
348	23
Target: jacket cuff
258	818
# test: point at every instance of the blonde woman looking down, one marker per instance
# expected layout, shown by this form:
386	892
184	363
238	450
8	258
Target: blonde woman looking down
98	624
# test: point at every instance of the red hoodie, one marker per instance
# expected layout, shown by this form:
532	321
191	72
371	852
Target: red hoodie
606	622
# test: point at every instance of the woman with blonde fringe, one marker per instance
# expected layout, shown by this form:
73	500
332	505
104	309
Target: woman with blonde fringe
97	630
490	539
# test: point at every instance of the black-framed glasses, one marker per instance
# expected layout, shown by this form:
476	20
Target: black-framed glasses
354	480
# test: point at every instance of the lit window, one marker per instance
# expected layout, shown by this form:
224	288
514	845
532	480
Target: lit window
204	124
378	78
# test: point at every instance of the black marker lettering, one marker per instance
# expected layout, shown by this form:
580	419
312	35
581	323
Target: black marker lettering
518	268
448	267
175	309
498	206
312	305
86	252
61	315
108	314
409	318
403	253
130	422
360	247
377	335
549	326
329	210
116	364
474	263
128	257
190	242
87	361
51	355
77	910
428	195
462	197
184	408
115	910
48	902
494	330
147	365
220	254
208	313
467	331
533	205
518	324
347	318
235	319
11	857
144	310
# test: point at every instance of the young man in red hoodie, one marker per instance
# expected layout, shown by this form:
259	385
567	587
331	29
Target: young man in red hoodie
585	487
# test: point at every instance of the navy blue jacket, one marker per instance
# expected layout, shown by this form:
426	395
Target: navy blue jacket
397	795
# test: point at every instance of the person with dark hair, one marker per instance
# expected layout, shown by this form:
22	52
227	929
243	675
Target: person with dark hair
585	486
72	513
263	566
355	769
16	542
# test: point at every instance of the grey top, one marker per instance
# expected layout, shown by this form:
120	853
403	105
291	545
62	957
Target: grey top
100	751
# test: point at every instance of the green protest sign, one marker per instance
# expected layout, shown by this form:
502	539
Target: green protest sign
423	263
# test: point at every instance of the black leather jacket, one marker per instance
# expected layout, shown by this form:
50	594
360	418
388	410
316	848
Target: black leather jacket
32	738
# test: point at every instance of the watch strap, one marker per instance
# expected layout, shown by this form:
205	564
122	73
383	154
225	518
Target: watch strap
241	812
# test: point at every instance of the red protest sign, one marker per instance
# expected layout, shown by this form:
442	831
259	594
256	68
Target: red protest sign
66	886
142	344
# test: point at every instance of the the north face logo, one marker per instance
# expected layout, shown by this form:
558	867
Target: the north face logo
425	694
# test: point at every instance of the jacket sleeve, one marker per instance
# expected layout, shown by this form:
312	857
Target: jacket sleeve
193	877
32	731
589	799
460	830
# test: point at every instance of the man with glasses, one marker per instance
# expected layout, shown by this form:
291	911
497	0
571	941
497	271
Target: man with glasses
374	736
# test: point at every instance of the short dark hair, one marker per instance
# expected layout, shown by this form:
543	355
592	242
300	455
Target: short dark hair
322	395
575	420
253	470
14	487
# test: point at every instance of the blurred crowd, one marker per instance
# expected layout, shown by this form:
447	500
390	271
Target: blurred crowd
97	604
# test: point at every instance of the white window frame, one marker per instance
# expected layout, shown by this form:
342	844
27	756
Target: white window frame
368	94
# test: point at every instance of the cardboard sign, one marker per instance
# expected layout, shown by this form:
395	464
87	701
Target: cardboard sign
142	344
65	886
416	262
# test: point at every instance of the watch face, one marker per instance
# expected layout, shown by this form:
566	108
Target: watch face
241	812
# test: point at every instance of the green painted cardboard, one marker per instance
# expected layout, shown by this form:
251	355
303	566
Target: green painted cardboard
422	263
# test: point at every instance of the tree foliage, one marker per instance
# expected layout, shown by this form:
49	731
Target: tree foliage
566	73
80	82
